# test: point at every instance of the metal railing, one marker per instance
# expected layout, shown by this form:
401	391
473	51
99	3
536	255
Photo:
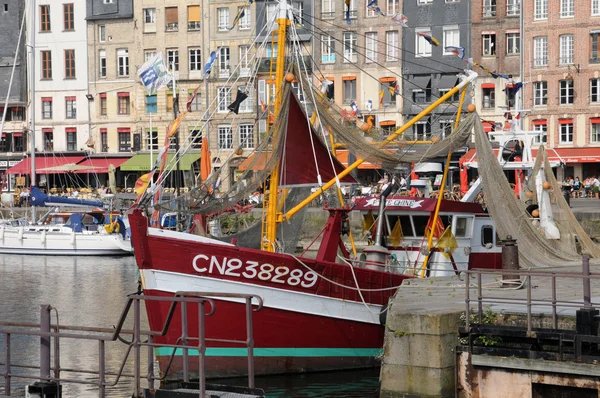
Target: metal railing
48	332
528	302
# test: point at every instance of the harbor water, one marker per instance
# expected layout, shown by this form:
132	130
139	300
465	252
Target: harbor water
91	291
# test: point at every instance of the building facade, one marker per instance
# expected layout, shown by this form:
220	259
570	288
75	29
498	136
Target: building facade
429	71
362	59
563	68
14	131
496	44
61	77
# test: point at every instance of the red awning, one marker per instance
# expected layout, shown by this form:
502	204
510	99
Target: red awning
488	126
99	165
342	156
540	122
24	166
488	85
566	155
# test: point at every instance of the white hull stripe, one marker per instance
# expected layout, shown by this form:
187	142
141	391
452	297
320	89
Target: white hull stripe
280	299
164	233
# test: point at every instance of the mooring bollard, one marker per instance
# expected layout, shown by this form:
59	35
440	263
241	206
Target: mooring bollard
510	261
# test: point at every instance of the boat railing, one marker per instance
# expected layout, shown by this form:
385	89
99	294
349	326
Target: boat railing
53	334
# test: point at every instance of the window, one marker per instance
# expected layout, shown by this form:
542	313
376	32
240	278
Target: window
567	92
68	17
510	95
566	49
446	127
244	61
540	93
594	46
369	11
595	7
224	58
71	138
298	7
224	98
195	60
123	62
69	64
196	104
103	140
461	225
244	23
540	9
451	38
150	16
567	8
223	18
103	107
422	130
193	13
171	19
152	139
422	46
489	44
271	14
513	7
225	137
371	47
386	86
149	54
46	108
453	98
195	138
391	46
173	59
489	97
595	130
169	101
48	139
71	107
350	47
248	104
327	49
102	63
513	43
393	7
424	2
247	136
594	91
540	51
101	33
327	8
566	130
272	50
46	65
489	8
124	140
124	105
151	104
298	91
45	18
109	1
349	88
541	126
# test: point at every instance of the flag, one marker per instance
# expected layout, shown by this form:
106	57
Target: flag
239	98
369	105
502	75
381	94
154	74
516	87
241	13
263	106
211	60
142	183
400	19
447	242
458	51
191	100
174	126
325	83
439	227
355	108
374	7
430	39
396	234
347	11
393	89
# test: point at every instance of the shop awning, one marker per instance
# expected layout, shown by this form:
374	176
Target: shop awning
47	165
566	155
448	81
141	162
99	165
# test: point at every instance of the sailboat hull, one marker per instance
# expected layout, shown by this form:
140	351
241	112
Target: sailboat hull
14	241
307	323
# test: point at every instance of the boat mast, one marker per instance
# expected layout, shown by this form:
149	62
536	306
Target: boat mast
270	228
32	97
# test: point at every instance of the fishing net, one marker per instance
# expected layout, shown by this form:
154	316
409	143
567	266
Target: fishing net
511	217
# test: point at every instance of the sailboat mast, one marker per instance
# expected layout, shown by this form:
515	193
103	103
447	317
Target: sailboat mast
270	230
32	97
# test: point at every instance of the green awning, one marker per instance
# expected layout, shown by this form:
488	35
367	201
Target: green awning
141	162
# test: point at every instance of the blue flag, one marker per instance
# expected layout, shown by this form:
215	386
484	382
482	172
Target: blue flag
211	60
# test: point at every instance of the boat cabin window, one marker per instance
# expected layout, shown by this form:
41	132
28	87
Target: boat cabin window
420	223
405	224
487	235
461	227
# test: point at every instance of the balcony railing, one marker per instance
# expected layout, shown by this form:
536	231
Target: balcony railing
244	72
328	14
193	25
540	61
172	27
224	73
